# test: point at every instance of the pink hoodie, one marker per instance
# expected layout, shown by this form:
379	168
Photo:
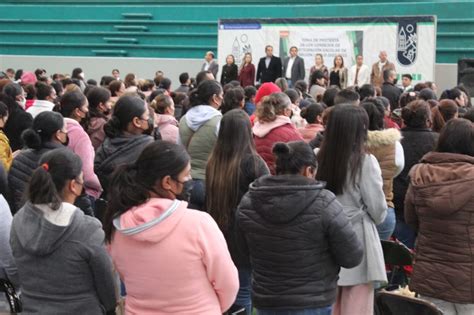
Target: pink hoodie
80	143
173	260
168	127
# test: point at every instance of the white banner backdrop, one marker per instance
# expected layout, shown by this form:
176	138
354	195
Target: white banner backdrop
410	41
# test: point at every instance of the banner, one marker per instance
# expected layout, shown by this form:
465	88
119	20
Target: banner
410	41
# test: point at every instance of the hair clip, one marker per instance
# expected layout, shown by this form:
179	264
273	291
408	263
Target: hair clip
45	166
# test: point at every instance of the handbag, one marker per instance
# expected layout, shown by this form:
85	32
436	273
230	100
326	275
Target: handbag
13	299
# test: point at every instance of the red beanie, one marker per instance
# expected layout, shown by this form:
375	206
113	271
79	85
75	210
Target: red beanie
266	89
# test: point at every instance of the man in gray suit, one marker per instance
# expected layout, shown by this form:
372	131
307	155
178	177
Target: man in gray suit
293	67
210	64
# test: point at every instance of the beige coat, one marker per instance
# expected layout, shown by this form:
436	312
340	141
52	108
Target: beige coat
376	76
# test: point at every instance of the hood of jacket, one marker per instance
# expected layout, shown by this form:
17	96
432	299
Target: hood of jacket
123	143
444	182
199	115
376	138
151	221
96	124
163	120
280	198
38	235
262	129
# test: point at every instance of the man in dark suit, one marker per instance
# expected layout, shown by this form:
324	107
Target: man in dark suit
269	67
389	89
293	67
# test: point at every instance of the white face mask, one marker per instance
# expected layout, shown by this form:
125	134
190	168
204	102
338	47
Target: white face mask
81	75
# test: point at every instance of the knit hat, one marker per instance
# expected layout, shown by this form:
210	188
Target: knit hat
28	78
266	89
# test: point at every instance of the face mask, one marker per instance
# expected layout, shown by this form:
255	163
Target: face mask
150	129
22	102
185	194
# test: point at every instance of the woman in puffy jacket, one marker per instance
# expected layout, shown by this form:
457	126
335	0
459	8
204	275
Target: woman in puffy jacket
297	236
439	204
273	125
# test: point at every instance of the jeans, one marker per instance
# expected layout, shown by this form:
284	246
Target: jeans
243	296
198	195
405	234
387	227
309	311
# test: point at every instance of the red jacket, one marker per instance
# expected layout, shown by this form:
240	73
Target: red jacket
267	134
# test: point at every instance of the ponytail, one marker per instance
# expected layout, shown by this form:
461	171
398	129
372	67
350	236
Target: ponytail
57	167
126	109
45	125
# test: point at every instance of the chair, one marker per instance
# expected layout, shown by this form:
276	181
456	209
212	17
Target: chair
397	256
11	296
388	303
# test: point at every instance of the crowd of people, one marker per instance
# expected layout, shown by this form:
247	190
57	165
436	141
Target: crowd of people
262	191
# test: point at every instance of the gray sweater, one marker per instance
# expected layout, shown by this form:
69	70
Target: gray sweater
62	261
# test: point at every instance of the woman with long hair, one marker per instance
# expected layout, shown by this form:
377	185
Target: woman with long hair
319	66
100	108
229	70
173	260
385	145
13	96
60	254
417	140
354	176
198	130
74	107
297	236
273	125
232	166
439	204
338	73
125	138
247	71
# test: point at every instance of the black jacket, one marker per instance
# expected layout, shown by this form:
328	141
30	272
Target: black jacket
21	170
271	73
392	93
416	143
18	121
229	73
116	151
297	236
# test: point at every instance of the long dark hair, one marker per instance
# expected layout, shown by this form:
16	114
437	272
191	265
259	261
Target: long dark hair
131	184
234	142
45	125
126	108
56	168
342	150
